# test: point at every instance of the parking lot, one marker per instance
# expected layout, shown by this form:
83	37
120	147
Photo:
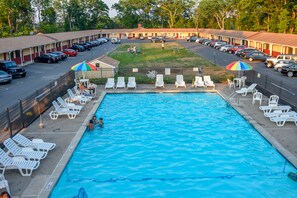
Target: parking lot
40	74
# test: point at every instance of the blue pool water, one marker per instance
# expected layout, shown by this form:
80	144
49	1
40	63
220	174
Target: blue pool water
174	145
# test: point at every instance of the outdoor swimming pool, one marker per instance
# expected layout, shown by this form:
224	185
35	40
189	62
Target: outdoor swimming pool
174	145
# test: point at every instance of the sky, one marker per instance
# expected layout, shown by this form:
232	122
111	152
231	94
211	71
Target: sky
109	3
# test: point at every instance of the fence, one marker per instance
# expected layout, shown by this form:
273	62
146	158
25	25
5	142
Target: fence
270	86
25	111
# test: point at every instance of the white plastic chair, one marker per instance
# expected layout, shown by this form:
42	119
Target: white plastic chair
245	91
159	81
27	152
121	83
273	100
208	82
131	83
257	96
198	82
25	167
62	111
4	184
180	81
37	144
110	83
231	83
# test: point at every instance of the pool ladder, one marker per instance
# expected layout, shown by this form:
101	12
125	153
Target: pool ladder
232	96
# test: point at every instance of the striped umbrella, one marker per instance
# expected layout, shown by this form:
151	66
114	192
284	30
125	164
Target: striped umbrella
238	66
84	66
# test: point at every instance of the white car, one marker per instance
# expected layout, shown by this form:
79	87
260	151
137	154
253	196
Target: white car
225	47
278	66
149	37
219	44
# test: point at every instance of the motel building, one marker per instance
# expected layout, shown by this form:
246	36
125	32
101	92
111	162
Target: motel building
24	49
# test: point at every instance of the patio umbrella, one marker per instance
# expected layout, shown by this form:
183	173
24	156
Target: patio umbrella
84	66
239	66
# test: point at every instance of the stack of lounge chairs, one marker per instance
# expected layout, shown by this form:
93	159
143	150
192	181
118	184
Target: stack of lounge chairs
280	114
23	154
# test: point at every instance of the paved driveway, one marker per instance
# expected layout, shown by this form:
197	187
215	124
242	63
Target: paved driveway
41	74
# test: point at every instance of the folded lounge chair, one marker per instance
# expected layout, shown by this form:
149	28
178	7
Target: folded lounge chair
180	81
245	91
269	109
121	83
283	118
71	106
198	82
25	167
72	97
27	152
277	113
131	83
37	144
62	111
159	81
208	82
110	83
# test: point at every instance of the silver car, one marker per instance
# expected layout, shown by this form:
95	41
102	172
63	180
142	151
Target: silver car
5	77
278	66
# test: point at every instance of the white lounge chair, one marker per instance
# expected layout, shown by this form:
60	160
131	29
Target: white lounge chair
159	81
231	83
131	83
180	81
208	82
62	111
257	96
283	118
25	167
276	113
269	109
273	100
27	152
71	106
86	93
110	83
37	144
245	91
72	98
121	83
198	82
4	183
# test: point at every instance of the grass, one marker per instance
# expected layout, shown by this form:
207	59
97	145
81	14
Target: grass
152	57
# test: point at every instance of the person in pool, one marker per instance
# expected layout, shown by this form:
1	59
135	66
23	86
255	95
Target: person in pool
101	123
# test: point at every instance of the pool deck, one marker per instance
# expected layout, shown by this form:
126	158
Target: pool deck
66	134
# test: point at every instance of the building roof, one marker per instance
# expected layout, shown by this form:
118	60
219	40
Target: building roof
276	38
107	60
229	33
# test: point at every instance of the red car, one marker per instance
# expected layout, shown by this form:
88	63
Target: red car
235	48
70	52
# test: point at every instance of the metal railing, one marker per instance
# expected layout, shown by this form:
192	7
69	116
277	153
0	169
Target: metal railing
26	110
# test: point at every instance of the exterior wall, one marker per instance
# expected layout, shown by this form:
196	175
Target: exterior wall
1	56
237	41
276	50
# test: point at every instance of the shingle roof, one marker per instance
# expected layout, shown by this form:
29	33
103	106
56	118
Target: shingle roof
229	33
277	38
108	60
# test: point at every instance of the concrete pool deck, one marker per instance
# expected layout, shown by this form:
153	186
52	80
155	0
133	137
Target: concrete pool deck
66	134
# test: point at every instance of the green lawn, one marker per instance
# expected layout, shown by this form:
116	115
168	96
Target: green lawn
174	56
152	55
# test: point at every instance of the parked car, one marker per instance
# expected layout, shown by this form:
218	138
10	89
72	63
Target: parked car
290	70
246	51
218	44
78	48
235	48
158	40
5	77
149	37
192	39
141	38
60	55
256	56
213	42
46	58
205	42
225	48
70	52
12	68
270	62
278	66
115	41
87	46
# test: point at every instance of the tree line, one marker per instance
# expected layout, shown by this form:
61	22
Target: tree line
22	17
